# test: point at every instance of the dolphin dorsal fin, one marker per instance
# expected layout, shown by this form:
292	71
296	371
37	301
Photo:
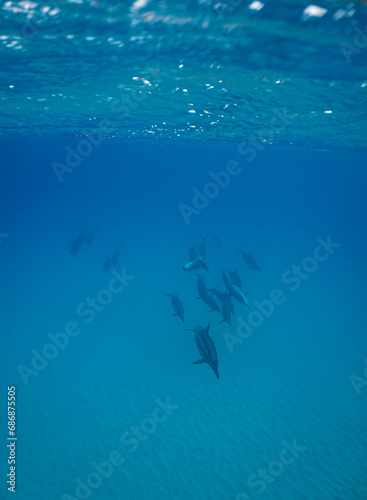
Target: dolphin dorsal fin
207	328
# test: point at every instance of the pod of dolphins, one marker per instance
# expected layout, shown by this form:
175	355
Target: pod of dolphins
195	264
233	290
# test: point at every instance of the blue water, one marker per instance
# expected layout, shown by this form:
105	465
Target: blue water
108	179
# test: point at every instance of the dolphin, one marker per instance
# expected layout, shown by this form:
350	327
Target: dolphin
235	290
202	290
206	348
250	261
177	305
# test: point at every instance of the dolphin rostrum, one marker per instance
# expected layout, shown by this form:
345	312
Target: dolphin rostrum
206	348
177	305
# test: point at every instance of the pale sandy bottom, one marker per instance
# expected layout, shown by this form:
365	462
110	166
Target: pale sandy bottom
288	381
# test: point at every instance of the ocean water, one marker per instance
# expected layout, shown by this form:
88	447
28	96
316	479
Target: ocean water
133	135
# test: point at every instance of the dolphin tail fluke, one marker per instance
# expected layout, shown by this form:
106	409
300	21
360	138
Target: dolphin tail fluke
198	362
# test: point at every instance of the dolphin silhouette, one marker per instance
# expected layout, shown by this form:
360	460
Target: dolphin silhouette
177	305
250	261
206	348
